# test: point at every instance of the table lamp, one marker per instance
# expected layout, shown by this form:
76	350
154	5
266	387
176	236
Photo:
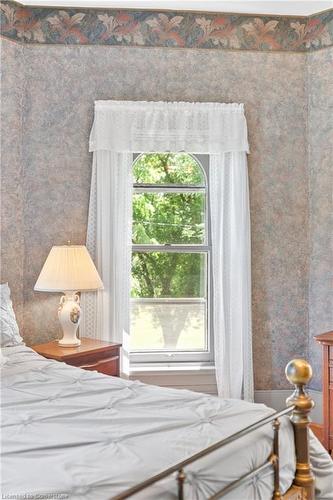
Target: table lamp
69	269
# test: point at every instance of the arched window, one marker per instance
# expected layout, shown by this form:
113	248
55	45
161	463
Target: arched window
170	258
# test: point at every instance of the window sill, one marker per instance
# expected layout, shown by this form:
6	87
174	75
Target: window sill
171	367
193	376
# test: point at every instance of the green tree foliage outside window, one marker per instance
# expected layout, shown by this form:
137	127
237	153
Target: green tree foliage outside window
168	168
162	218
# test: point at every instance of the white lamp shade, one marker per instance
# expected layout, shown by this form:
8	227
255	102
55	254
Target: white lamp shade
68	268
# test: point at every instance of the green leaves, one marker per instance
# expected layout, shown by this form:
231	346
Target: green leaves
175	218
168	217
169	275
168	168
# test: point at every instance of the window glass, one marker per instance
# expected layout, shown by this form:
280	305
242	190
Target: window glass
160	218
169	274
170	258
168	168
168	326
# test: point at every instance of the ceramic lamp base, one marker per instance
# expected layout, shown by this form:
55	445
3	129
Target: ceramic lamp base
64	343
69	313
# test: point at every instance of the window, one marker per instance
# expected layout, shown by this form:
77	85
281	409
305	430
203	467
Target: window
170	293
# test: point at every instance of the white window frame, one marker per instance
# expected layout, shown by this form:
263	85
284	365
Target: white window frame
167	357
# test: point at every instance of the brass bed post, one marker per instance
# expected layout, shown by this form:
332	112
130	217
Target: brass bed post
180	479
299	373
276	460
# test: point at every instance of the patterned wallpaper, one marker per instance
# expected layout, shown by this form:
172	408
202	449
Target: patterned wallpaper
320	162
11	195
54	25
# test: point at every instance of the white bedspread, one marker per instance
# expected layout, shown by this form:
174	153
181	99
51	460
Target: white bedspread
70	433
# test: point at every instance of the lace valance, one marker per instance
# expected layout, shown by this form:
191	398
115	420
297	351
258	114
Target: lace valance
137	126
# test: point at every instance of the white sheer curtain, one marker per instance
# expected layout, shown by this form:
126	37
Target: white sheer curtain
231	247
122	128
106	313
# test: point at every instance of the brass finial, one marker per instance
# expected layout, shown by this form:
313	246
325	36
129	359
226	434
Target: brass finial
299	372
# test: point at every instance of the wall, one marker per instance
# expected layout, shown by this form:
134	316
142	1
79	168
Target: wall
320	161
62	84
12	245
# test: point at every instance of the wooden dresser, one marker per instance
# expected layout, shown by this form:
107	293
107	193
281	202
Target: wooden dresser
92	354
326	340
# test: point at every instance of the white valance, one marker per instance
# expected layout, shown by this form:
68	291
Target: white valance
137	126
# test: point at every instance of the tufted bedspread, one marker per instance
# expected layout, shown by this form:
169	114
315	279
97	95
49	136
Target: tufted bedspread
70	433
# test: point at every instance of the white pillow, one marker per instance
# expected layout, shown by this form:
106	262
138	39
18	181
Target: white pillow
9	330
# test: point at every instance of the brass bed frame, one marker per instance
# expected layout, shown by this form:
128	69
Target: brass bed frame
299	405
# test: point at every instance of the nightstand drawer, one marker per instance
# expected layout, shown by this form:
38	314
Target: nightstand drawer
92	358
108	366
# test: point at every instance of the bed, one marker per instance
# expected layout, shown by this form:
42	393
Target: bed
70	433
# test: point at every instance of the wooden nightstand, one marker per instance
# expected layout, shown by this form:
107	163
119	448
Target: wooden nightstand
92	354
326	340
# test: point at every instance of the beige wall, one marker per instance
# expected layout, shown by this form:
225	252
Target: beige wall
12	244
320	163
61	86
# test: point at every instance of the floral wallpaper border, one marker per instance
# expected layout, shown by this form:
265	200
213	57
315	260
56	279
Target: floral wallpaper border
55	25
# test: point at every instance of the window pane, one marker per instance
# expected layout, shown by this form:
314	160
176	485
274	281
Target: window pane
169	275
176	218
170	325
168	168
